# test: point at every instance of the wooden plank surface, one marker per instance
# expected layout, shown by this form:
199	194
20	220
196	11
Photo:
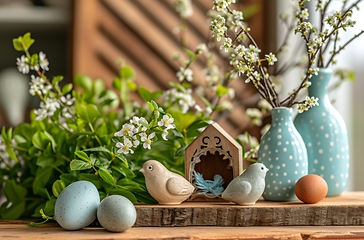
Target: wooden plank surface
19	230
345	210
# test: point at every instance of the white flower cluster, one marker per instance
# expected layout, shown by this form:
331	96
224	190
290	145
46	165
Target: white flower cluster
40	86
25	64
135	133
185	74
221	5
184	8
245	58
218	27
184	99
318	39
307	104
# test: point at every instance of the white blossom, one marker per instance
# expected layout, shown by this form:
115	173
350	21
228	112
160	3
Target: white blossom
148	140
307	104
167	122
126	130
68	100
47	108
43	61
218	27
184	7
125	147
23	64
256	115
185	74
271	58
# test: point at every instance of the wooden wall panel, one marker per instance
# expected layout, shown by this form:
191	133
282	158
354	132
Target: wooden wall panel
141	33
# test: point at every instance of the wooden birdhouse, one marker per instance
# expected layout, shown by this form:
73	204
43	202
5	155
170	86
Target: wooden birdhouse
213	152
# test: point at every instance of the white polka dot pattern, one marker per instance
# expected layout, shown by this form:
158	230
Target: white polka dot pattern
324	133
283	151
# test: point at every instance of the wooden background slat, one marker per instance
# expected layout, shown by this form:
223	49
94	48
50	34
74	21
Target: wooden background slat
141	33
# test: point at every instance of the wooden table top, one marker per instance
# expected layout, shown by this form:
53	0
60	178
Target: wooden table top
333	218
51	231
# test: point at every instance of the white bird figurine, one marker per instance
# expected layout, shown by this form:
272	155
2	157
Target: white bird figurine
247	188
165	186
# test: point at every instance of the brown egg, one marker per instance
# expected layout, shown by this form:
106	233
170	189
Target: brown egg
311	188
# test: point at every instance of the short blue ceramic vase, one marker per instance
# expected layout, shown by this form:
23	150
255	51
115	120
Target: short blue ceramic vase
283	152
324	133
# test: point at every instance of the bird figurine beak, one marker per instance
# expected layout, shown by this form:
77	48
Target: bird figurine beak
141	170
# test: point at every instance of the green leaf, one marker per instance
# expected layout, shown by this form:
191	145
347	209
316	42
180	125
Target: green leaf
149	96
117	83
27	41
23	43
150	106
40	140
144	196
67	178
5	135
45	160
83	156
79	165
58	187
10	134
190	54
12	210
221	90
127	72
180	152
88	112
67	88
145	94
49	207
42	177
95	179
84	82
56	79
17	44
125	193
195	128
106	176
14	192
97	149
155	105
124	170
11	153
50	137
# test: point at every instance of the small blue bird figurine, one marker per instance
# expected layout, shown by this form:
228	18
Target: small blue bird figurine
247	188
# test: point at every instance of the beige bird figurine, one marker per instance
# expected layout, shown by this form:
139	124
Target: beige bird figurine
247	188
165	186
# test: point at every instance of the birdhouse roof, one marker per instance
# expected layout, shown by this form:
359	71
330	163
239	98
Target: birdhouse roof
214	130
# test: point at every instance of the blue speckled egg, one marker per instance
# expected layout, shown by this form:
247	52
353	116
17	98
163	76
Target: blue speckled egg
76	206
116	213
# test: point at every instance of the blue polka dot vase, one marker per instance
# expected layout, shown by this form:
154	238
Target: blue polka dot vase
283	151
324	133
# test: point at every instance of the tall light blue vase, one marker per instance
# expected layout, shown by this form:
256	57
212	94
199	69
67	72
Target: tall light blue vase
324	133
283	151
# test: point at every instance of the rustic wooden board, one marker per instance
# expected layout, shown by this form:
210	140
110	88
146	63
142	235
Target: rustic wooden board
19	230
345	210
